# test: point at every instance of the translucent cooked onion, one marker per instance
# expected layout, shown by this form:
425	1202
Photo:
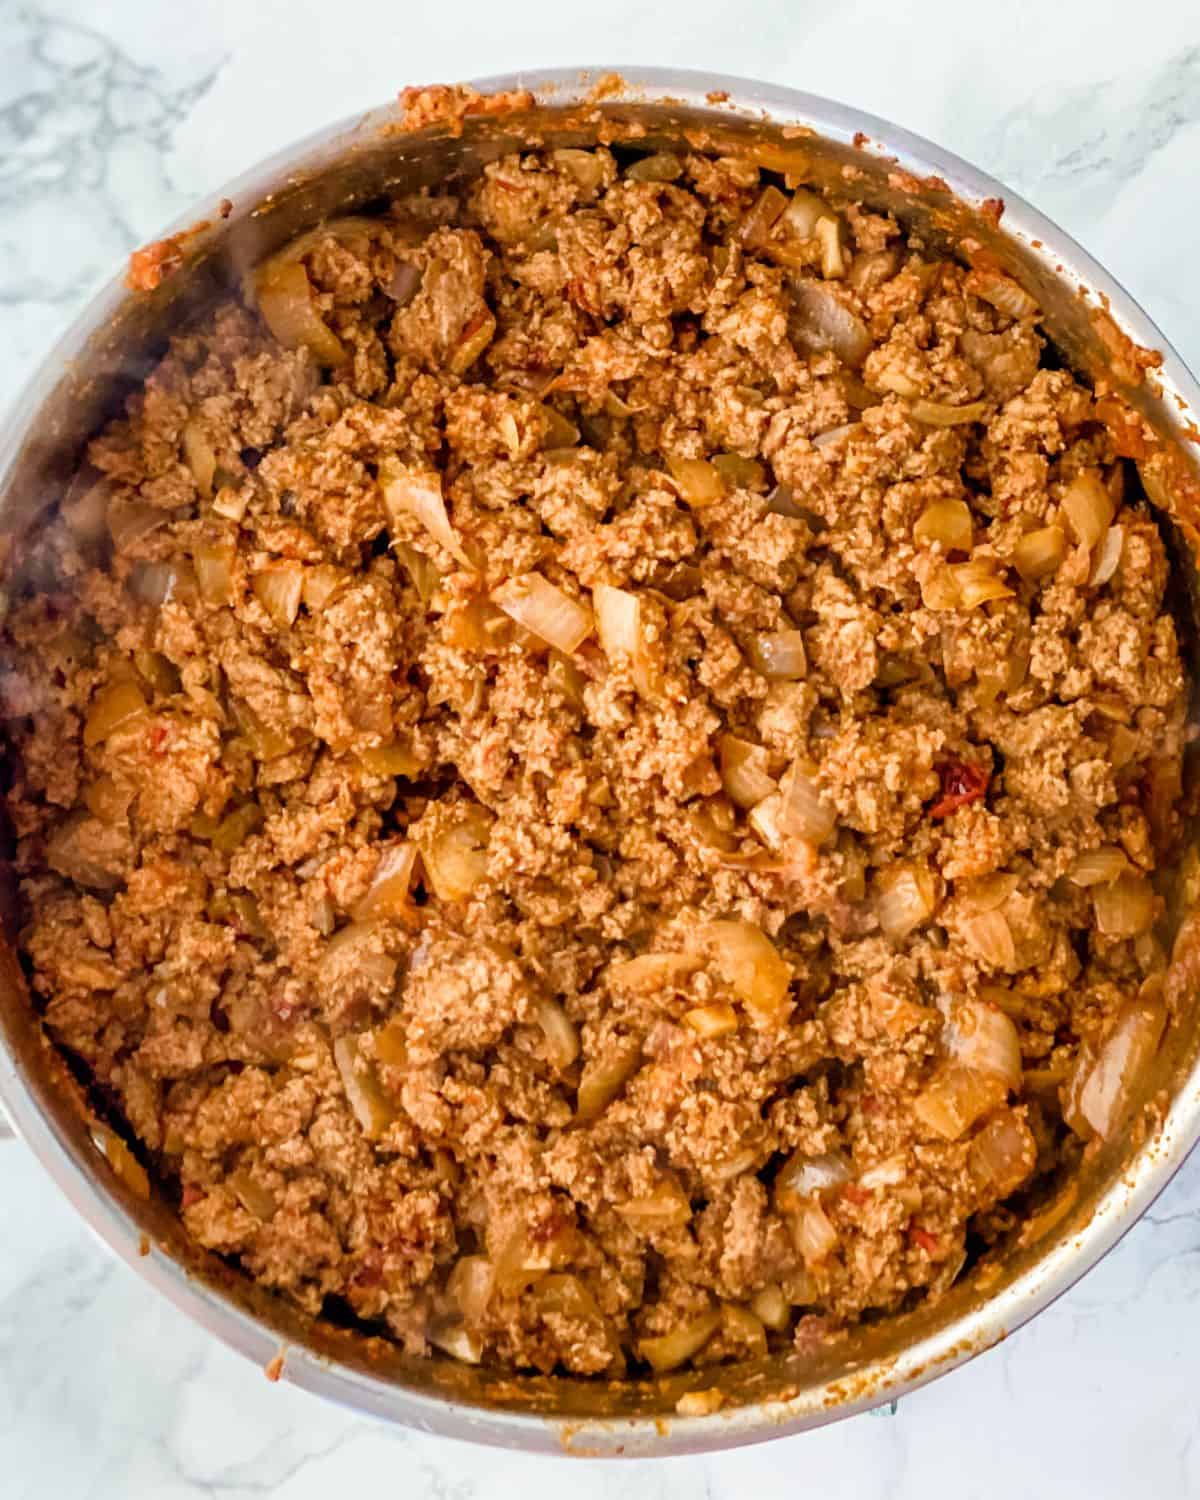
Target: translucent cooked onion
278	587
825	322
388	895
887	1173
1108	556
455	857
252	1195
420	569
1039	554
771	1307
744	1327
157	583
710	1021
940	414
956	1097
662	166
1125	907
285	298
649	973
1003	293
779	655
744	773
622	638
1099	866
410	491
666	1206
815	1237
129	521
673	1349
1108	1094
748	962
470	1285
120	1158
214	570
545	610
802	215
199	456
764	820
368	1102
321	583
803	1176
905	897
700	482
557	431
452	1338
1003	1155
266	741
739	473
833	435
990	938
113	707
983	1039
978	582
829	240
1088	507
804	813
562	1038
391	1044
604	1078
948	523
475	338
766	211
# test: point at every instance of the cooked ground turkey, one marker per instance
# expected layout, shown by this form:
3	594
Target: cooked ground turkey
585	766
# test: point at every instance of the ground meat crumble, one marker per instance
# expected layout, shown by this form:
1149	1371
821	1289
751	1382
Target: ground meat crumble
586	763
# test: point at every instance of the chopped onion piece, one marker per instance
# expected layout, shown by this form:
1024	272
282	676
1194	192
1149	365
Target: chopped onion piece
764	819
157	583
779	655
744	1327
562	1039
1099	866
391	1044
889	1172
662	166
825	322
739	473
1002	292
829	238
409	491
111	709
663	1208
1002	1155
673	1349
978	582
602	1080
939	414
744	772
956	1097
815	1237
214	571
984	1039
1108	556
545	610
758	223
748	962
129	521
449	1335
771	1308
905	897
477	335
1088	507
557	431
947	522
1108	1094
804	812
199	456
803	1176
368	1102
1039	554
470	1284
700	482
455	857
833	435
285	298
120	1158
278	587
388	895
420	569
650	972
253	1196
320	585
711	1020
803	213
1125	907
619	627
990	938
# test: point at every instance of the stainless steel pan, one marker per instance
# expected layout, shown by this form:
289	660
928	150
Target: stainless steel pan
350	164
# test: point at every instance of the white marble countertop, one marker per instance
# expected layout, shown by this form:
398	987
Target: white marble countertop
116	115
